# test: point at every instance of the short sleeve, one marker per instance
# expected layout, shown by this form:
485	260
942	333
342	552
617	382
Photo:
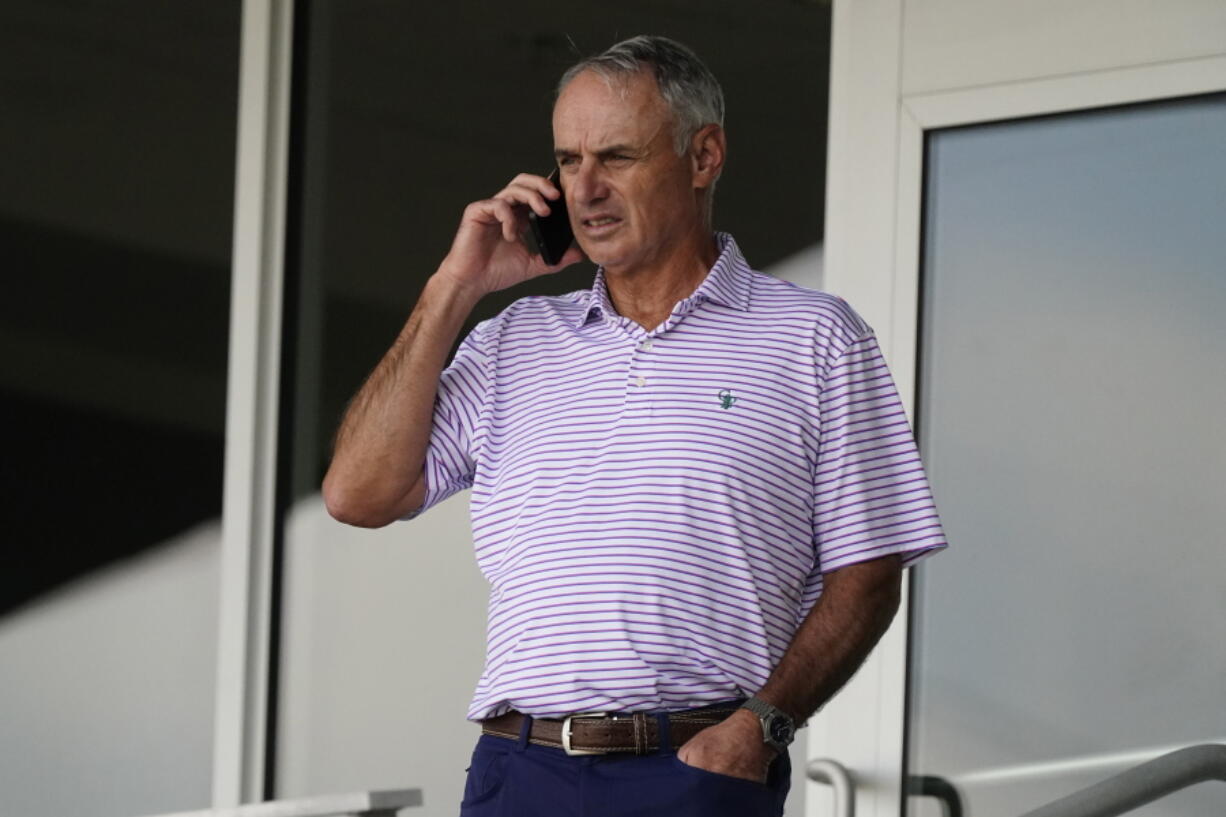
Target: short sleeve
872	497
459	407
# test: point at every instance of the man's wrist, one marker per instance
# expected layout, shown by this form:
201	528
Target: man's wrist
454	289
752	726
778	728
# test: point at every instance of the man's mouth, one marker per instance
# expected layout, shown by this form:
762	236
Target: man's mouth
600	221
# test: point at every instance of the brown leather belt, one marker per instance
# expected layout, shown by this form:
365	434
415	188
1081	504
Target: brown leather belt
601	733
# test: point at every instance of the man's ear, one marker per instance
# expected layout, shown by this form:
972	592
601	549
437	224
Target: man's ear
708	149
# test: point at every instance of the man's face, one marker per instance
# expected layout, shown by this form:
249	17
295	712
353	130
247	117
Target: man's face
631	197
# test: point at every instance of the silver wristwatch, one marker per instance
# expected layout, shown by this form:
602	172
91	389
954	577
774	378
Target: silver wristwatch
778	728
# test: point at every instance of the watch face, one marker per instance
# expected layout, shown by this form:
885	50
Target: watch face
780	730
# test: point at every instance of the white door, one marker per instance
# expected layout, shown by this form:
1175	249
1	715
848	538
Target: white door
1058	311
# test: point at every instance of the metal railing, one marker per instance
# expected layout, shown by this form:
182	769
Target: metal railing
825	770
1142	784
1112	797
945	793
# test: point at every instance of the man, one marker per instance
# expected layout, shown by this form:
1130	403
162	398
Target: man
694	489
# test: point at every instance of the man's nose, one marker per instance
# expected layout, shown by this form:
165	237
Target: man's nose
588	186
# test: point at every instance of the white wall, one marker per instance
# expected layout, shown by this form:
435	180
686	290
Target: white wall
384	640
959	43
106	688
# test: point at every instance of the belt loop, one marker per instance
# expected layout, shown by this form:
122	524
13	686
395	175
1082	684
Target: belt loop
639	721
525	732
666	739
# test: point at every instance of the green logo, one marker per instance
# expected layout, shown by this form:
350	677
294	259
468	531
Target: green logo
726	399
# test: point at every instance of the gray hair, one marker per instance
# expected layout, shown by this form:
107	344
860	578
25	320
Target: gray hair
688	87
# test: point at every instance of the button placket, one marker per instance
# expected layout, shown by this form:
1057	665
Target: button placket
642	368
638	369
645	373
639	377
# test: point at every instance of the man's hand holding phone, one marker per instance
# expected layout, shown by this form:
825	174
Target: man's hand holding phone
489	254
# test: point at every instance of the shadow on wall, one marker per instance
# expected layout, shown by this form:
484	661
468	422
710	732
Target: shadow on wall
112	401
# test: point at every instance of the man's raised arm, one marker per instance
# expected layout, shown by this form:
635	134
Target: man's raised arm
376	474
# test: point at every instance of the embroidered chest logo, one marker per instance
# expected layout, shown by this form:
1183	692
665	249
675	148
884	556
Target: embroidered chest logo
726	399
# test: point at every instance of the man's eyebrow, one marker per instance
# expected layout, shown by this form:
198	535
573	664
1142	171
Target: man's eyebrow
620	148
561	153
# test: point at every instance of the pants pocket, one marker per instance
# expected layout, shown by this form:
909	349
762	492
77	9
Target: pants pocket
718	776
486	774
711	794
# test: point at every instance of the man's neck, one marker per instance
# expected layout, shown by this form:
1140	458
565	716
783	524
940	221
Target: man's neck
647	295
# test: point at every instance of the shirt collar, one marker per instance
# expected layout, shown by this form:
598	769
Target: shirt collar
727	283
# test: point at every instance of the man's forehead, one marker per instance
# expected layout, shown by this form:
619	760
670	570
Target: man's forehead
608	109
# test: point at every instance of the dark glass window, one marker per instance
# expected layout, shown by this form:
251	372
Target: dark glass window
116	191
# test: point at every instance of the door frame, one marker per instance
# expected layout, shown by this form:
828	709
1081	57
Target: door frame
875	166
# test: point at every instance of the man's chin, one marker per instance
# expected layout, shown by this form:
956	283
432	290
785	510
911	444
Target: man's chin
610	254
599	254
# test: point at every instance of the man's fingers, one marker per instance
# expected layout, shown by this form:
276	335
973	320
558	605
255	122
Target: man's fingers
496	211
508	210
510	222
540	184
524	195
531	190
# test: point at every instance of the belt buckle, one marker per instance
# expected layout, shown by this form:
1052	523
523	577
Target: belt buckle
566	733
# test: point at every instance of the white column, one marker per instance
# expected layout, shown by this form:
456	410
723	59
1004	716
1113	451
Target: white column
251	406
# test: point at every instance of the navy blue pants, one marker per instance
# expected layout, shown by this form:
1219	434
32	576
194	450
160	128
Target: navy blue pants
515	778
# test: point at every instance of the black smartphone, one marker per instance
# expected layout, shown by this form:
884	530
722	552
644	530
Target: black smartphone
552	233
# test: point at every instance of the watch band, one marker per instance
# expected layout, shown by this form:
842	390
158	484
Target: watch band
778	727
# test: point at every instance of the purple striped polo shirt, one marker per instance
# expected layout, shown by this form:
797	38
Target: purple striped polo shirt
653	510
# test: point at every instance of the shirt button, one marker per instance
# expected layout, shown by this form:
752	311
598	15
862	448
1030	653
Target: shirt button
641	381
647	345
